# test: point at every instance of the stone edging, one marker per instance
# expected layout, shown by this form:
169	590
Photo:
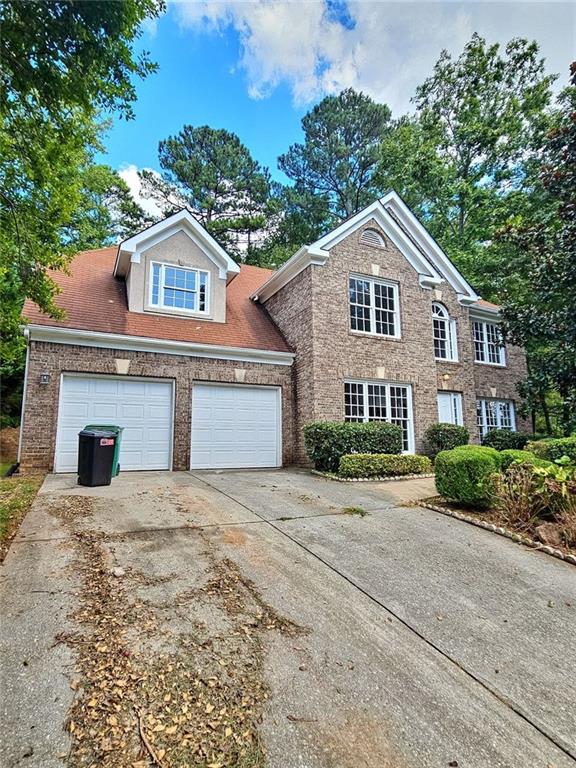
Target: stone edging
384	479
517	537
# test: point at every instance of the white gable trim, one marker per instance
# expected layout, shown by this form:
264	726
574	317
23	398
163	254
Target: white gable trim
403	229
319	252
82	338
130	250
424	239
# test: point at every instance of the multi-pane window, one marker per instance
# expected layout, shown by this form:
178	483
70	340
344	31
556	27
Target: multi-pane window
374	306
179	288
488	344
495	414
444	334
367	401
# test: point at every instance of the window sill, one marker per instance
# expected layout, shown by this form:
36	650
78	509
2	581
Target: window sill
189	314
367	335
490	365
444	360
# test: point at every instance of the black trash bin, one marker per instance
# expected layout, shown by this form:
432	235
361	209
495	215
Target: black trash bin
95	456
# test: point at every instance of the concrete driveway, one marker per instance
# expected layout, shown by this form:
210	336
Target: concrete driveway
405	638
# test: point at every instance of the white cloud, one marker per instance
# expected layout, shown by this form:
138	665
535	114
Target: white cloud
383	48
130	175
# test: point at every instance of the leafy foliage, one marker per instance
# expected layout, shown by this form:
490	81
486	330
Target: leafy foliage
463	161
539	301
338	157
383	465
327	441
461	473
79	54
515	456
554	450
502	439
443	437
210	172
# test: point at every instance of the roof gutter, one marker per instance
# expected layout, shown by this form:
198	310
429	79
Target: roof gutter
82	338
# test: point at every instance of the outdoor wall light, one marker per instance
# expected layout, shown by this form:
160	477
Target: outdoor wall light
44	378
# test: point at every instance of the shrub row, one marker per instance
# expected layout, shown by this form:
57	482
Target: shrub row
554	449
505	439
327	441
383	465
444	437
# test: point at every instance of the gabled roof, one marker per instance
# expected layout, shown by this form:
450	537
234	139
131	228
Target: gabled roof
403	229
95	301
182	221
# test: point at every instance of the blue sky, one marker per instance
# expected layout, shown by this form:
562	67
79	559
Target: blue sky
255	68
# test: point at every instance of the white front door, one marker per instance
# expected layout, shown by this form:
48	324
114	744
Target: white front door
450	408
235	427
142	406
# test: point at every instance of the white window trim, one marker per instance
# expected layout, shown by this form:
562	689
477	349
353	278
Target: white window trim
484	428
452	335
364	384
456	406
484	323
372	281
178	310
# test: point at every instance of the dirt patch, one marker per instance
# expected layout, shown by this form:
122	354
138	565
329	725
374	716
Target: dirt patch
9	438
233	536
148	691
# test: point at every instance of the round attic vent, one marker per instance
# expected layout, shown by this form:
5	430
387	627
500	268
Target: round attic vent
372	237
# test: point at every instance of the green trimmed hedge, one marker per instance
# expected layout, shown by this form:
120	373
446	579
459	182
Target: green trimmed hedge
327	441
461	473
505	439
512	456
383	465
444	437
554	449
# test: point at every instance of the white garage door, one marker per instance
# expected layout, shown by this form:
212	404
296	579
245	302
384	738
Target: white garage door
234	427
142	406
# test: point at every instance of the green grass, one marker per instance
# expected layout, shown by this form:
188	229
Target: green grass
16	496
360	511
4	467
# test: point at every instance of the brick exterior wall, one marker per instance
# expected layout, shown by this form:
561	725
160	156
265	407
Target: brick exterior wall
291	310
41	407
329	352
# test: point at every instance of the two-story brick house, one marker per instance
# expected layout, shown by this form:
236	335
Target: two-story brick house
208	364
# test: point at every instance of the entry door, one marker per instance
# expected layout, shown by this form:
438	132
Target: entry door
142	406
450	408
235	427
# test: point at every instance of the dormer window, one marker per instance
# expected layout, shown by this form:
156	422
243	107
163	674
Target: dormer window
178	288
372	237
444	334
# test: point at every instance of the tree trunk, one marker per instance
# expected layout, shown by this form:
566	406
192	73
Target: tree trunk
546	413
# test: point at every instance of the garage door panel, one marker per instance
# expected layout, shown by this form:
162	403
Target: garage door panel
143	408
235	427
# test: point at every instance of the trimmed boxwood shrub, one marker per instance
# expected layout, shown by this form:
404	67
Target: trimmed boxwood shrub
505	439
511	456
554	449
461	473
383	465
327	441
444	437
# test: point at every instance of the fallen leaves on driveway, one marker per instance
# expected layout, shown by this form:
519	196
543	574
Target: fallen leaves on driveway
149	694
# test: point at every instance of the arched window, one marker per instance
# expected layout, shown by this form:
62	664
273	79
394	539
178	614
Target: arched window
372	237
444	334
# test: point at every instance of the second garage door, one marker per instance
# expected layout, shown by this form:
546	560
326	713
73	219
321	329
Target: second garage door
235	427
